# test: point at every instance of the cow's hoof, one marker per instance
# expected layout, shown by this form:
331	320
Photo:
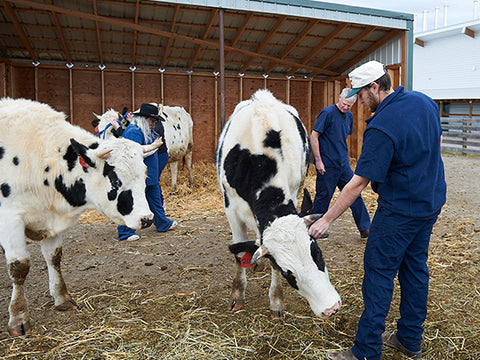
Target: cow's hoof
235	305
67	306
277	314
22	329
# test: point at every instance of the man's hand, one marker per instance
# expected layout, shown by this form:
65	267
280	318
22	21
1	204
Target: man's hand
318	228
320	166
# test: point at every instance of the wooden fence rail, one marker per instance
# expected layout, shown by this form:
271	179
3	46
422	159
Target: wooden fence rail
461	134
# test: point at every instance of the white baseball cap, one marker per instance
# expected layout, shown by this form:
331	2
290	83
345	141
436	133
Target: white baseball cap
364	75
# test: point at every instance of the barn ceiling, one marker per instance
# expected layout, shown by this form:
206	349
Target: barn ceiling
181	36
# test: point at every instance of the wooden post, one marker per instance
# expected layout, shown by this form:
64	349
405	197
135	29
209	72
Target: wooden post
133	89
102	77
222	67
70	91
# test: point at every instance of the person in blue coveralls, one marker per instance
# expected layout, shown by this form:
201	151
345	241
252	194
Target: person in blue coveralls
330	156
140	131
401	158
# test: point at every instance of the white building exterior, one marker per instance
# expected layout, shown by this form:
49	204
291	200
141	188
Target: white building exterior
446	66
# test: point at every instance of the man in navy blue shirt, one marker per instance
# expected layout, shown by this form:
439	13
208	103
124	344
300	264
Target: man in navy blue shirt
330	156
401	157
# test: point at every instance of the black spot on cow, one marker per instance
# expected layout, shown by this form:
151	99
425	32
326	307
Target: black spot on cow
125	202
2	152
303	135
272	139
115	182
47	168
75	194
226	199
16	160
270	205
288	275
70	157
94	146
317	256
46	183
5	189
247	173
80	150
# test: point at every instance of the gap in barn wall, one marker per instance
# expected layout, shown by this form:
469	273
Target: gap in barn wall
78	92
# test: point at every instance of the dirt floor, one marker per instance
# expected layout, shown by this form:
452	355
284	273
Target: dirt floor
167	275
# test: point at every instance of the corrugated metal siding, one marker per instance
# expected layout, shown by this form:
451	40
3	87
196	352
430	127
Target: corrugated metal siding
388	54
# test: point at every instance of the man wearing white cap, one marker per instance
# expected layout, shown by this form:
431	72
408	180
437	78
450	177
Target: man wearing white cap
401	157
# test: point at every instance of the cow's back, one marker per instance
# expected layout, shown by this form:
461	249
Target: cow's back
178	127
265	127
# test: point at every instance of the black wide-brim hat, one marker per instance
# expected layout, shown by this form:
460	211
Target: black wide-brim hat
148	111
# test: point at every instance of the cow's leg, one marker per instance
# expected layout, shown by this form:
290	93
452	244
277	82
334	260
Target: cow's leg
188	162
18	265
239	284
173	172
52	252
277	307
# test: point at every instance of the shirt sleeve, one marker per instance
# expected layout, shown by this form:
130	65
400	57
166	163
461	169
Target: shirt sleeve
376	157
321	123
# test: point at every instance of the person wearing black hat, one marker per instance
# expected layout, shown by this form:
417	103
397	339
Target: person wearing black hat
140	130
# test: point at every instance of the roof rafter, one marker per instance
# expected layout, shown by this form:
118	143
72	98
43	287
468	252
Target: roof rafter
18	27
208	26
170	35
338	29
135	33
281	20
97	28
310	25
60	35
169	41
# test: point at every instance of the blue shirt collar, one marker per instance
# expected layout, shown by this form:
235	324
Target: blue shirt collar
386	101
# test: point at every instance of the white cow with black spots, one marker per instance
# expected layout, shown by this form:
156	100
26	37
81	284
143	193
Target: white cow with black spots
178	126
262	159
50	172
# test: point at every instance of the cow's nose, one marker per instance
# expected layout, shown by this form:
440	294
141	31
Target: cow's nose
332	311
146	222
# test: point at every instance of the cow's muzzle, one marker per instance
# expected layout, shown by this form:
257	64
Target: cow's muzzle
146	222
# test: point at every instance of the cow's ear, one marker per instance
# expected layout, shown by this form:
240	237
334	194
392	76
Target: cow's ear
103	154
82	152
307	204
237	248
310	219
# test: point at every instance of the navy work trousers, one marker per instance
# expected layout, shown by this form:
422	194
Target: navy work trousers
397	244
325	187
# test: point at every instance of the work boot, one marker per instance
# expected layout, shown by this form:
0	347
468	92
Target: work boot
340	355
364	233
392	341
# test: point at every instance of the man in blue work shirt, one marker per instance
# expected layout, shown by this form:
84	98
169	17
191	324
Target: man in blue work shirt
330	156
401	157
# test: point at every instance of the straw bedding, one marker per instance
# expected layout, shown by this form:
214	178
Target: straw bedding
165	296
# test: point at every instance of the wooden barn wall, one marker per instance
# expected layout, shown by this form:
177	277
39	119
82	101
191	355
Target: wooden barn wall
80	92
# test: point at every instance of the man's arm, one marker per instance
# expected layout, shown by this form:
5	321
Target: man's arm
316	152
347	196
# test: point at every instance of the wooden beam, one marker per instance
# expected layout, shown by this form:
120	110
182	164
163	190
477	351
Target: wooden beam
208	26
338	29
60	35
281	20
135	33
169	35
97	30
419	42
169	41
18	27
390	36
300	36
469	32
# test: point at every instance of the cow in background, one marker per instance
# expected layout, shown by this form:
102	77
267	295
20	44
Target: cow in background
178	127
50	172
262	159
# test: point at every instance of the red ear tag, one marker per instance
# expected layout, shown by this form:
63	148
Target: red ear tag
245	260
82	162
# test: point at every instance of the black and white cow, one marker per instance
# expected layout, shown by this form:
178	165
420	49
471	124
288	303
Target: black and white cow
262	159
178	126
50	172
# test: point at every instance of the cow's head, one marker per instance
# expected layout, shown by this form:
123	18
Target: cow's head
299	259
102	123
114	178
